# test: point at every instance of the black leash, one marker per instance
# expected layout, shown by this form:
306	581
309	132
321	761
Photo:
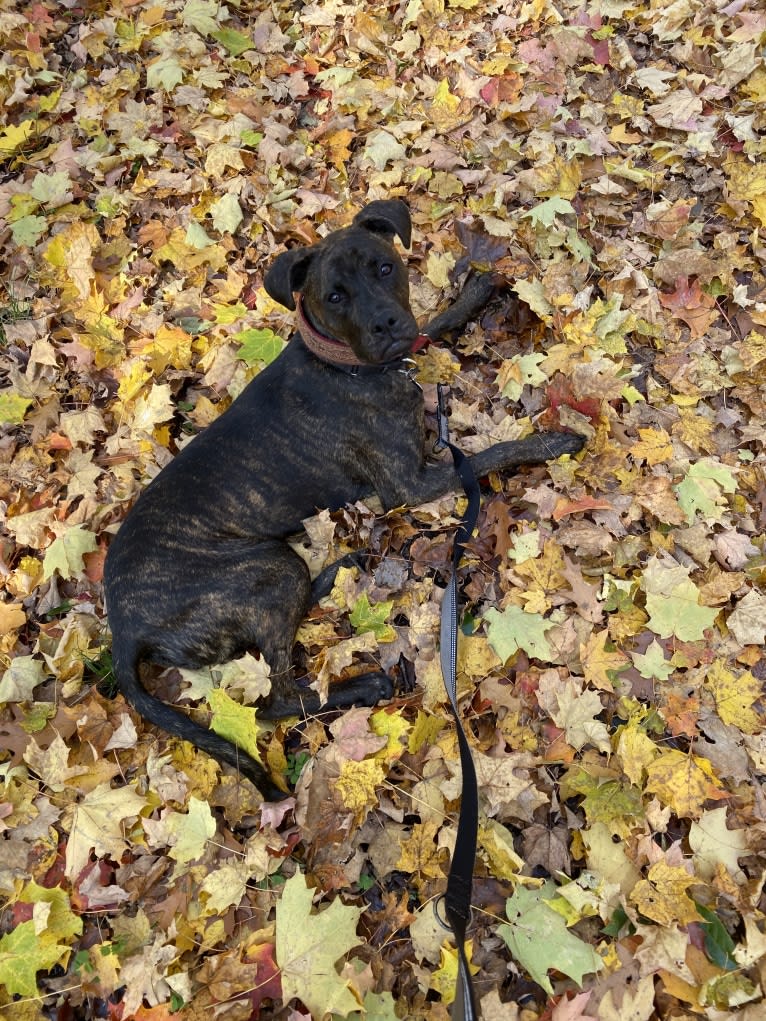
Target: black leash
457	900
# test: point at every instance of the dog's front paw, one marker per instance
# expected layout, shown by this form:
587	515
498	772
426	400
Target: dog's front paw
563	443
381	688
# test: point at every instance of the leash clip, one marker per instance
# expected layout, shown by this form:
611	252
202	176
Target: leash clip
442	421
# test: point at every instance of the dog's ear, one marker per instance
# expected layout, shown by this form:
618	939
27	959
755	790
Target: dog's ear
287	275
386	216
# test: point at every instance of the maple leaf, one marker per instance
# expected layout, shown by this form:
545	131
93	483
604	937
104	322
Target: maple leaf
747	622
538	938
574	710
97	824
21	678
66	553
258	345
700	492
652	663
309	946
662	896
189	833
235	722
13	407
679	613
444	978
356	786
23	953
599	662
735	696
692	305
512	629
684	782
713	843
364	617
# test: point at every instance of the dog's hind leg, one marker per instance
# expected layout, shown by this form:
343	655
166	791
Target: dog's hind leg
324	581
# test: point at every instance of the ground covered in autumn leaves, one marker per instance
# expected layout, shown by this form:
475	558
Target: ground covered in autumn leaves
608	162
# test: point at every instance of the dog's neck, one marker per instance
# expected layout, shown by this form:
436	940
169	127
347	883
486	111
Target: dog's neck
338	352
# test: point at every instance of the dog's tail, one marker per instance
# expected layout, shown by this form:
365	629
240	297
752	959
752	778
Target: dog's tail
126	660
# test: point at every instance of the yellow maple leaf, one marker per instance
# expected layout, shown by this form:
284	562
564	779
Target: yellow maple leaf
444	107
419	852
72	252
734	696
747	181
444	978
132	380
496	841
545	574
357	785
169	346
98	825
425	730
337	146
558	177
597	661
713	844
662	896
653	446
636	751
14	136
695	430
393	726
683	782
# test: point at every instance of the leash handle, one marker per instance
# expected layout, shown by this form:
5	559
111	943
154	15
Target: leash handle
457	901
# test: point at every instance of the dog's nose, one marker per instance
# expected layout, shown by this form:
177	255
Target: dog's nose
385	325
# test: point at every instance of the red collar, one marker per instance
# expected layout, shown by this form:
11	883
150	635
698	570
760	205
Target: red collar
338	352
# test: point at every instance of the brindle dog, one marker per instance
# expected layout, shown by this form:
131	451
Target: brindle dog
201	571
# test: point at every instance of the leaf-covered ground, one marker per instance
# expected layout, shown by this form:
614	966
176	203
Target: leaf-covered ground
608	161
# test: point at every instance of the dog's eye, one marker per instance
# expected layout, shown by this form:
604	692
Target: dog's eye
386	269
334	297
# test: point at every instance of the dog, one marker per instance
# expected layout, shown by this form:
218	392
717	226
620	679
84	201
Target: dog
200	570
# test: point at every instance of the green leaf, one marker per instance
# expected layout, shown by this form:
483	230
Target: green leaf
164	73
258	345
23	953
719	945
61	921
202	15
190	833
235	722
703	488
652	663
51	188
226	213
525	372
679	613
512	629
66	553
233	41
23	675
196	236
538	938
365	617
545	213
308	947
28	230
252	139
13	407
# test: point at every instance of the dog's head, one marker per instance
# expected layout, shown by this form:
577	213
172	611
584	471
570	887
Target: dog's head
353	284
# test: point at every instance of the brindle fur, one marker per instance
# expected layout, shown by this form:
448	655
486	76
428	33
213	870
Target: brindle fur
200	570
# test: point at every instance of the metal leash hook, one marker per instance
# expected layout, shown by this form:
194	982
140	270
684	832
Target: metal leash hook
457	900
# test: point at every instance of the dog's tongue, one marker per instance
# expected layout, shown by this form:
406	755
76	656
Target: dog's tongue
420	342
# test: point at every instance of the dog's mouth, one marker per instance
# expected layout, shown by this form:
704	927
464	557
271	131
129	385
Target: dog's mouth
395	348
